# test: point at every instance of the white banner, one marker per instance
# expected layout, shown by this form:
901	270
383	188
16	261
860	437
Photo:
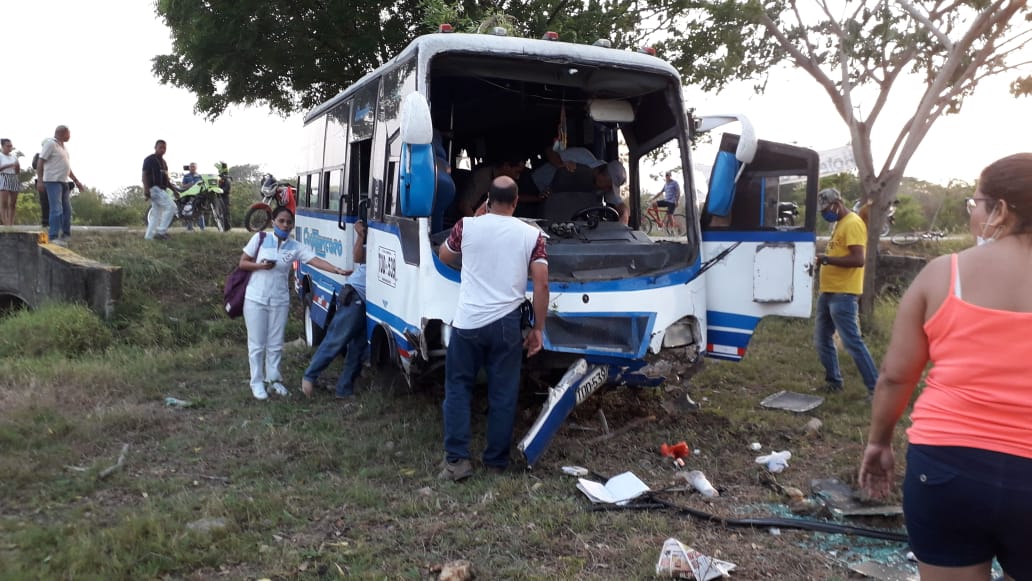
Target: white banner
833	161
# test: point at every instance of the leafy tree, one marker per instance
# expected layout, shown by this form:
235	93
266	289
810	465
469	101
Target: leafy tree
909	215
857	52
294	54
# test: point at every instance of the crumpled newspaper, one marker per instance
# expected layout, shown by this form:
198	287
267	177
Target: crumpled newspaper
676	561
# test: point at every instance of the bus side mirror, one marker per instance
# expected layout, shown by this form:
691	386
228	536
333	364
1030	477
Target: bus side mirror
417	178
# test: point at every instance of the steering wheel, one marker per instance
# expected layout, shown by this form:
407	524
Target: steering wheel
596	214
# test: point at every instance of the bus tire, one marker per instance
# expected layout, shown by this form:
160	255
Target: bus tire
314	334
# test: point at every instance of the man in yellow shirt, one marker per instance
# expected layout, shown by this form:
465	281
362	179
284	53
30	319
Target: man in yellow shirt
841	284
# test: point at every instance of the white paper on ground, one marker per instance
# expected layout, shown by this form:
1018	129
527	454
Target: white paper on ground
617	490
677	561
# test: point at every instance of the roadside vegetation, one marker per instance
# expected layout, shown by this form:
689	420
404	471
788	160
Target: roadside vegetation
233	488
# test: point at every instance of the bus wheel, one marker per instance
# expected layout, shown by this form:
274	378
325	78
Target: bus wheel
313	332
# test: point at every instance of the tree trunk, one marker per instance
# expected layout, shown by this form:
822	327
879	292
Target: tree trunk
881	190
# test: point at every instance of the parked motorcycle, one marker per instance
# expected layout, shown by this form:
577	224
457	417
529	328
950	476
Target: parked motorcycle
890	220
203	199
274	194
787	212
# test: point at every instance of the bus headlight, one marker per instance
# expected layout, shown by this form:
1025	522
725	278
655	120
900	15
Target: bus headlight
683	332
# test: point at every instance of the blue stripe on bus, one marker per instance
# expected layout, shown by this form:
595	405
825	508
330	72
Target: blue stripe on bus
396	323
723	356
758	236
722	319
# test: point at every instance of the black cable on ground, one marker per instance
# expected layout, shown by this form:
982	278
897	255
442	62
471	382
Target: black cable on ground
785	523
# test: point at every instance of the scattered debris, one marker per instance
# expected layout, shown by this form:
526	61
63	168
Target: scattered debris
623	430
461	570
883	572
578	471
177	403
678	452
755	447
602	421
699	481
842	500
207	525
619	489
117	465
775	461
425	491
813	427
791	401
677	561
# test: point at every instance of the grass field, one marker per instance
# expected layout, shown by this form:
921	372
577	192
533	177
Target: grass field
313	489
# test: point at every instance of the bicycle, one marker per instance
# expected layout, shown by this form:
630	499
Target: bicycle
672	224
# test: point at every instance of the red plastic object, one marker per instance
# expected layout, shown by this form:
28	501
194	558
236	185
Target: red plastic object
678	451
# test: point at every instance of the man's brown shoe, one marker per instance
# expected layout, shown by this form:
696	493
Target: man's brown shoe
456	471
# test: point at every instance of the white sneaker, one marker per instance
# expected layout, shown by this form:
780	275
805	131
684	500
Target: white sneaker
279	388
259	392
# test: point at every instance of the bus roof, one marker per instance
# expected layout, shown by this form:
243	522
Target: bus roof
430	45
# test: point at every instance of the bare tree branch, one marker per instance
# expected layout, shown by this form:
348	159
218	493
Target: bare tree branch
923	19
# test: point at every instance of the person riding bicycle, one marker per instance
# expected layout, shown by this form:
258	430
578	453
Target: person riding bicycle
671	193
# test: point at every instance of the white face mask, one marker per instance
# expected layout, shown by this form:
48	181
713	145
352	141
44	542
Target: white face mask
981	239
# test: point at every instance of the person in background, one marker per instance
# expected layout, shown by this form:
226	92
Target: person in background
497	251
606	177
347	330
671	193
53	172
967	493
190	178
476	187
841	284
267	300
9	184
156	188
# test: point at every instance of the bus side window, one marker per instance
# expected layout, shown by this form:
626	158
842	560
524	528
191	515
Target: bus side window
391	193
304	188
336	181
314	189
358	173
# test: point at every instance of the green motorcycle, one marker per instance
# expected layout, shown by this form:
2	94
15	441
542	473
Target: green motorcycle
203	199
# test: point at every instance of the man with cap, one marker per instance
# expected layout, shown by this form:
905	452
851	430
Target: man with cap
607	177
841	284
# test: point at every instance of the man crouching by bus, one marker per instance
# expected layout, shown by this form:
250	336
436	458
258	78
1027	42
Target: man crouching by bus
496	250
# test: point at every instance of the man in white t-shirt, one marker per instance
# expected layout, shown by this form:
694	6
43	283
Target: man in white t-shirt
52	174
497	251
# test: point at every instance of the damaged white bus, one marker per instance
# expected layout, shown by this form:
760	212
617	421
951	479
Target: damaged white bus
618	297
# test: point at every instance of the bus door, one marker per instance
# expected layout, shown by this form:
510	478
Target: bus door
756	261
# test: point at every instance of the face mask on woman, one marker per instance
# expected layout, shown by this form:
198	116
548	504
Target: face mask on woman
981	239
281	234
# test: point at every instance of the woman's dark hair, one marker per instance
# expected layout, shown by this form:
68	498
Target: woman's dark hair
5	141
1010	179
279	210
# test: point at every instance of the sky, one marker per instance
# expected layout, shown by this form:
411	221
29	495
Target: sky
100	63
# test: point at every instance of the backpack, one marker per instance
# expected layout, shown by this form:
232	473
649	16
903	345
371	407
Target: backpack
35	161
236	287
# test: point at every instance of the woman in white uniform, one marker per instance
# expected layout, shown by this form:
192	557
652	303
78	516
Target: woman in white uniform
267	302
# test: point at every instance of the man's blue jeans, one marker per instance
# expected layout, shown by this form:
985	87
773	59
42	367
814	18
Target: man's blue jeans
497	347
838	311
346	331
58	195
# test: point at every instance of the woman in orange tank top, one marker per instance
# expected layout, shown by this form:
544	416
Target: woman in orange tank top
967	492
